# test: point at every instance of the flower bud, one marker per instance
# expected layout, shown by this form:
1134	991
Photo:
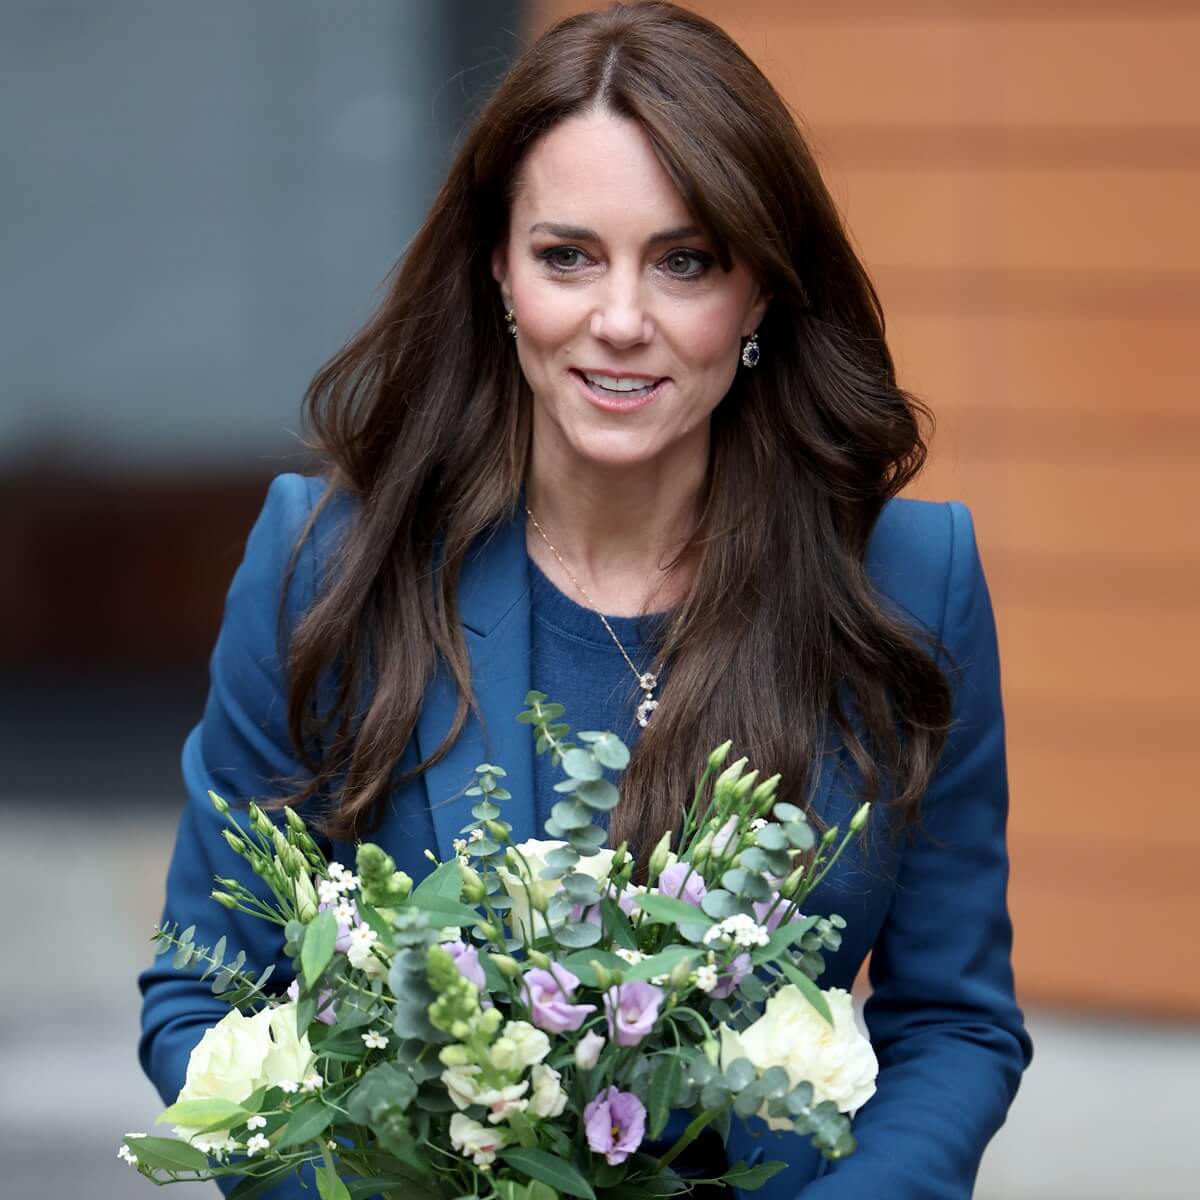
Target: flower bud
791	885
716	760
763	798
681	973
490	1020
729	777
236	843
489	932
539	959
224	898
605	977
454	1056
860	818
712	1050
507	966
260	822
829	835
222	806
306	897
473	888
620	854
295	821
702	851
660	856
460	1030
497	829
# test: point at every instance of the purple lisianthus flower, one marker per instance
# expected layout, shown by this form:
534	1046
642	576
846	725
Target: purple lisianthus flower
683	881
549	994
616	1123
342	945
466	959
626	901
326	1012
631	1009
770	913
731	976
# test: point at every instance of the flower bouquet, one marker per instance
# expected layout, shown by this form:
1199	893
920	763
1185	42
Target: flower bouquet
527	1022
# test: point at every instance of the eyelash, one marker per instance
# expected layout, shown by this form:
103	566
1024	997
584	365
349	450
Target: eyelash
703	261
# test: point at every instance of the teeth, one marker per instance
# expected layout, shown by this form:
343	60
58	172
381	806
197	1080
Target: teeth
623	384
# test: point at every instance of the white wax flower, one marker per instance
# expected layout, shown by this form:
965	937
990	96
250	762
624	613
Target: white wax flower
534	853
837	1060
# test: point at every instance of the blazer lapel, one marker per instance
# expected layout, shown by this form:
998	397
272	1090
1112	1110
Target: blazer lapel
493	600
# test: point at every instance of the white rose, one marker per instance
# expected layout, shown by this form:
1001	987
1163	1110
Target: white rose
479	1141
534	853
289	1056
548	1099
520	1045
587	1052
225	1065
837	1060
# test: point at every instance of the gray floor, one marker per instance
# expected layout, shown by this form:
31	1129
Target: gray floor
1106	1112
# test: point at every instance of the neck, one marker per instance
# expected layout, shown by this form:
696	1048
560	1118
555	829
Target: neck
617	528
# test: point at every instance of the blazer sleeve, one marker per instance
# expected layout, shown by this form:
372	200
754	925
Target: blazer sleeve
949	1036
238	750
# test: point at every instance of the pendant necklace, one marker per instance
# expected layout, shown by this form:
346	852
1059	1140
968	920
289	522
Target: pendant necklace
647	680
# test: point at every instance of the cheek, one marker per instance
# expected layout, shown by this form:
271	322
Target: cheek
547	317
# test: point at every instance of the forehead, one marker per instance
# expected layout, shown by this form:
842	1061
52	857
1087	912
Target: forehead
600	171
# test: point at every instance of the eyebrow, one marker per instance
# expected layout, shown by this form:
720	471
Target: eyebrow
581	233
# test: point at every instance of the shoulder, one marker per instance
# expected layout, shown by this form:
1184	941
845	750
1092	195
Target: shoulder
921	554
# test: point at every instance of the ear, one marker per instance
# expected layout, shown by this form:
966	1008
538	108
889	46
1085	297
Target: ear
500	272
757	311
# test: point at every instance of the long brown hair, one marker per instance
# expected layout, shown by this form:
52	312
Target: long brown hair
424	417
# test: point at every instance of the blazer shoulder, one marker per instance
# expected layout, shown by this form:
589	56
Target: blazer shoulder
917	552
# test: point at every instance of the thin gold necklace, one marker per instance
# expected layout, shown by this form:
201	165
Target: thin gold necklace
647	680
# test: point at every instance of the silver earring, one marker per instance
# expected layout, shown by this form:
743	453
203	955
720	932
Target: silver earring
750	353
510	317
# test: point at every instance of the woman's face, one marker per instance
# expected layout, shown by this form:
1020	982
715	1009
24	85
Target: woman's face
629	330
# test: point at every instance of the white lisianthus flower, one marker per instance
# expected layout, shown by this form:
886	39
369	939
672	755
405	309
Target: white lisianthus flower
548	1099
520	1045
534	853
480	1142
237	1056
837	1060
724	836
587	1052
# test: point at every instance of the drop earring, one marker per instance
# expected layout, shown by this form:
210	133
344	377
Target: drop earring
510	317
750	352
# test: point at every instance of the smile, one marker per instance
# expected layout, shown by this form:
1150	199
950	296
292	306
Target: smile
619	393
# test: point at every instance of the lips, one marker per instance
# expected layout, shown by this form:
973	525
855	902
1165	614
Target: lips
621	398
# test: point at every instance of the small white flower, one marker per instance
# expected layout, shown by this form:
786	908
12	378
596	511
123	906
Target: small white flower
706	978
127	1155
460	845
328	891
758	823
335	870
463	860
477	835
288	1085
344	912
362	938
742	929
632	957
331	1144
311	1083
347	883
374	1040
257	1143
256	1122
660	980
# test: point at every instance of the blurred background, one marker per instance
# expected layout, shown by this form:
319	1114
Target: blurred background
200	204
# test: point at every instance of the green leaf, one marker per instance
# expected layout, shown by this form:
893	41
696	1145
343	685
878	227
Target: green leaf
570	814
445	912
548	1168
169	1154
618	924
749	1178
330	1186
740	1073
305	1123
668	1073
578	934
580	964
598	794
443	881
611	751
807	989
667	910
662	963
216	958
581	764
317	951
203	1115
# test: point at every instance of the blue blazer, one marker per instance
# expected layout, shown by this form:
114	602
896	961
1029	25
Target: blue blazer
932	912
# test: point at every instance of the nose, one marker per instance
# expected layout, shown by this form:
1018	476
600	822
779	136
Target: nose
620	317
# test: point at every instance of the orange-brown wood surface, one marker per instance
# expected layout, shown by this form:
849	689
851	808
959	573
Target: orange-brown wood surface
1023	181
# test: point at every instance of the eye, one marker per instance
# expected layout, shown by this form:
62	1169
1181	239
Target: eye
564	259
686	264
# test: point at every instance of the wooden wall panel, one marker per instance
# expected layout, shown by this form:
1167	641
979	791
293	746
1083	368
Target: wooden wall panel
1022	179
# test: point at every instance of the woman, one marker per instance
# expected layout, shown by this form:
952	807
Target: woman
626	429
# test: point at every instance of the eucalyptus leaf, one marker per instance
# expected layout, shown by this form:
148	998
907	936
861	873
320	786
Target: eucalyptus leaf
598	794
587	841
610	751
578	935
740	1074
570	814
581	764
